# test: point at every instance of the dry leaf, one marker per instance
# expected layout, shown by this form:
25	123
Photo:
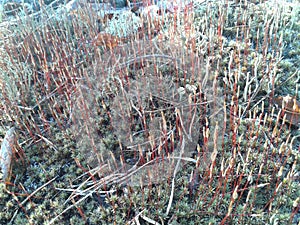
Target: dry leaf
6	153
106	40
291	108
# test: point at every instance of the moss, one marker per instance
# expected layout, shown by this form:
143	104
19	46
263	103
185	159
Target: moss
256	158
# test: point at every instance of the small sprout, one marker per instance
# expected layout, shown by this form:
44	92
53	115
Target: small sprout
296	202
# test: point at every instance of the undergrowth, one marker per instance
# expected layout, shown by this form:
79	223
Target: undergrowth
180	120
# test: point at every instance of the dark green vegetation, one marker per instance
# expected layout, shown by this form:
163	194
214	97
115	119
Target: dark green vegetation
79	107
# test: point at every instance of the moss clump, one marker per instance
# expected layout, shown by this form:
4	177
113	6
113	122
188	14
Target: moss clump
235	58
